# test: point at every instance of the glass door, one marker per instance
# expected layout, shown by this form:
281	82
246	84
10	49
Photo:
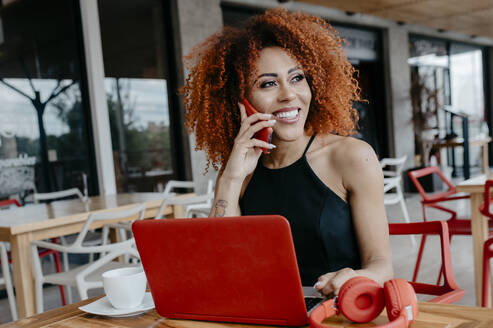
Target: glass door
135	53
45	140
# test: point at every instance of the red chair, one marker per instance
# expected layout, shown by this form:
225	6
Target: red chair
487	250
448	292
9	202
43	252
456	226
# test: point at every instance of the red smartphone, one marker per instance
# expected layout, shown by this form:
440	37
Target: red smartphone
266	133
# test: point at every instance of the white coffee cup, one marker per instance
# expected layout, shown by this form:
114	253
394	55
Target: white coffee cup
125	287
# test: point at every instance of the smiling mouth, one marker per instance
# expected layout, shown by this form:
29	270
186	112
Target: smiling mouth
287	115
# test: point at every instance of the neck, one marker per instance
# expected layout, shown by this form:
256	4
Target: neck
286	152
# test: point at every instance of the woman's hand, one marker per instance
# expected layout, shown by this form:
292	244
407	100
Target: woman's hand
331	282
247	150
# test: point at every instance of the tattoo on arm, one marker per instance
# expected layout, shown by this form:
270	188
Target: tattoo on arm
220	207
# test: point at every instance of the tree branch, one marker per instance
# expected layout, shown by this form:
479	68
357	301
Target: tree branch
15	89
28	76
54	90
54	95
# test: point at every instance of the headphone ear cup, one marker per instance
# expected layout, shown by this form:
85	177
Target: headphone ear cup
361	299
399	297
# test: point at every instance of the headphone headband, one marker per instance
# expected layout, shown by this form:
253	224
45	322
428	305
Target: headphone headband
397	294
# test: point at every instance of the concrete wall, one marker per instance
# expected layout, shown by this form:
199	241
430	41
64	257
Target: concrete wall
398	84
198	19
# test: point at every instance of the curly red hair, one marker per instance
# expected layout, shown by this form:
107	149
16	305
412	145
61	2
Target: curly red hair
221	66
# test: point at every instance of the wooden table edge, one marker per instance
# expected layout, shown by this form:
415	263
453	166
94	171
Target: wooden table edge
61	314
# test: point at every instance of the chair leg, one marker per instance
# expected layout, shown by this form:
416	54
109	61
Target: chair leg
69	293
486	274
421	248
406	218
82	292
66	267
59	269
440	274
123	236
38	285
439	279
418	259
8	282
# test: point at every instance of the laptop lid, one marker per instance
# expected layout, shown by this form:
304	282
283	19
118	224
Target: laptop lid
234	269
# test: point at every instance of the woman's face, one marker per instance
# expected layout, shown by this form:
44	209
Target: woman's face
280	88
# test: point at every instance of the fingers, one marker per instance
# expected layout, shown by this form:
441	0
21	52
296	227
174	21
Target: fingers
324	283
254	143
252	124
252	129
243	114
261	144
247	130
331	282
252	118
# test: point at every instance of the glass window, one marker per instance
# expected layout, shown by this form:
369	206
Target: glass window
43	121
466	79
447	75
428	52
136	82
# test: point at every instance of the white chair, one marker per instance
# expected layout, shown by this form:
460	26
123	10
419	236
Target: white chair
199	206
87	276
392	186
192	209
125	228
7	280
52	196
202	209
183	201
60	194
396	163
176	184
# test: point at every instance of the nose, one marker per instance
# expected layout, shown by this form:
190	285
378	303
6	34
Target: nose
286	93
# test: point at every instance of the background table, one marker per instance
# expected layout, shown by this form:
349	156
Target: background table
481	141
430	315
479	229
20	226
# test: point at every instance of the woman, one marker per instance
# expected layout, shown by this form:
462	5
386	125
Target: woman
292	68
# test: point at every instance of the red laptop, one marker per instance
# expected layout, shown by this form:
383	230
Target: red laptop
235	269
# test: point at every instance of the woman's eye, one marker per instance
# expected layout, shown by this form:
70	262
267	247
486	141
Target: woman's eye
298	77
267	84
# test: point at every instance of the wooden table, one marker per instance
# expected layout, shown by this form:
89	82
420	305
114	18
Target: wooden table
479	228
430	315
480	141
20	226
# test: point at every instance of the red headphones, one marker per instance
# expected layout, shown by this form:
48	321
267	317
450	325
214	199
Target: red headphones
361	299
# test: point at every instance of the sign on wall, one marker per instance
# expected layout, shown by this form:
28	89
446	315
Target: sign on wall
360	44
16	175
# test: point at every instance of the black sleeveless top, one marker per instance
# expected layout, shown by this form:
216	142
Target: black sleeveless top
321	221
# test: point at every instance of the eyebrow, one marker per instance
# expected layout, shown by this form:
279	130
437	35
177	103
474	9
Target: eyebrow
275	74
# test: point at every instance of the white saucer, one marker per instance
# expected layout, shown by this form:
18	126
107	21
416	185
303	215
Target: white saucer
103	307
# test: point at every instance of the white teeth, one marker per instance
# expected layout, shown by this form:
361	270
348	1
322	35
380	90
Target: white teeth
290	114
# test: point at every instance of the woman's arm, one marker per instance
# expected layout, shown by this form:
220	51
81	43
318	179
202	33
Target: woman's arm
363	179
226	197
241	163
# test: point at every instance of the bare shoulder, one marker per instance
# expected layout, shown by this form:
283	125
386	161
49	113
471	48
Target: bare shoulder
354	152
344	151
354	159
